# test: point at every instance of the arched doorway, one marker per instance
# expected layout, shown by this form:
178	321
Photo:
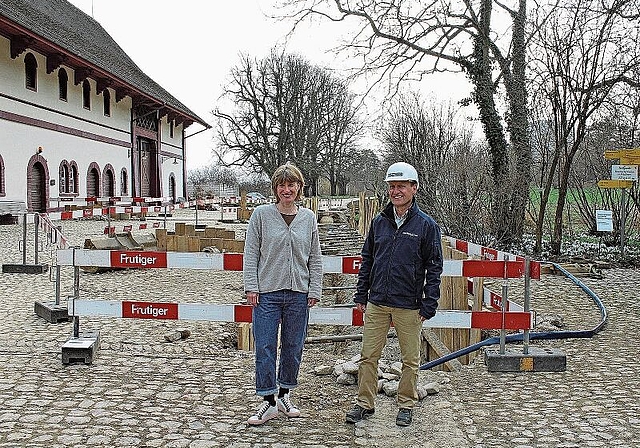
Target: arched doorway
109	181
93	181
37	184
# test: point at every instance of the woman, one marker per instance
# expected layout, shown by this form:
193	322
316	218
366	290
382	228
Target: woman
282	280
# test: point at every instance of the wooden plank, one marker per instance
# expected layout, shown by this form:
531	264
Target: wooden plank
245	337
171	243
180	228
475	334
161	238
460	301
182	244
193	244
440	349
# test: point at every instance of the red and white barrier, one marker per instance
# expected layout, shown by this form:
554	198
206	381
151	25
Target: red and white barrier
234	262
493	300
129	227
318	315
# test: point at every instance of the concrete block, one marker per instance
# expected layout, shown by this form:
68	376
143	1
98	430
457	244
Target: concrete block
82	349
514	360
24	268
51	312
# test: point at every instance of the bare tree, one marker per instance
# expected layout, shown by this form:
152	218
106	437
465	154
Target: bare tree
453	172
342	132
404	40
584	50
203	180
285	109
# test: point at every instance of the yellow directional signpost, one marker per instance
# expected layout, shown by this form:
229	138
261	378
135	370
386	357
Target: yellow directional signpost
622	176
615	183
621	153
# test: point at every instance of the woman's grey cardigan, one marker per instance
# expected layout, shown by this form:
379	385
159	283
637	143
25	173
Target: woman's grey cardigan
279	256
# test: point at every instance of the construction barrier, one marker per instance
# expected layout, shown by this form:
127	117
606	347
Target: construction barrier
230	261
485	320
142	259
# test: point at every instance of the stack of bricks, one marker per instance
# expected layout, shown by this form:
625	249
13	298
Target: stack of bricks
187	238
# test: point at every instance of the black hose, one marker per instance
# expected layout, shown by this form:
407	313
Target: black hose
532	336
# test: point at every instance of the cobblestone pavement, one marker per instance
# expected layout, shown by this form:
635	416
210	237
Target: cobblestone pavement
143	392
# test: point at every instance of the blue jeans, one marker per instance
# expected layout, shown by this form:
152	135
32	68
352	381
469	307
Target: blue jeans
288	310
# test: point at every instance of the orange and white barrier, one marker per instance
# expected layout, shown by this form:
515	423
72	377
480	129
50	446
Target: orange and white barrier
318	315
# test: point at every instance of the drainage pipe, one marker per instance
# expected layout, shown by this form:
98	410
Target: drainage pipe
570	334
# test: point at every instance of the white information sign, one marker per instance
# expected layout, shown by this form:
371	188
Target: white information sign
604	220
624	172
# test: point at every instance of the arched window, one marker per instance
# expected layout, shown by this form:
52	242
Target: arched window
64	177
3	192
73	181
172	187
86	94
30	72
63	81
107	102
124	182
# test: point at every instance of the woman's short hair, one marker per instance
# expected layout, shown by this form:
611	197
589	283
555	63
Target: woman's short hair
287	173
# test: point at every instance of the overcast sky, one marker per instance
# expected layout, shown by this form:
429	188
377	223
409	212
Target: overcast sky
170	41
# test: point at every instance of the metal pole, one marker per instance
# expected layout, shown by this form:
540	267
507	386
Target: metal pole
24	239
57	284
623	218
165	216
109	234
527	301
503	308
196	212
36	223
76	296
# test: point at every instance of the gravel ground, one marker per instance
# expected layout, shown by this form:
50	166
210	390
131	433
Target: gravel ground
142	391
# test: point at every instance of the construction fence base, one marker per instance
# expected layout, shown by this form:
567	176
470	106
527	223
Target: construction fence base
82	349
24	268
514	360
51	312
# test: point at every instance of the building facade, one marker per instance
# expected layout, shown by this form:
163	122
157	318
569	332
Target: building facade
78	118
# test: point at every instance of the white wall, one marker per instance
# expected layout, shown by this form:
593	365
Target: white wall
19	141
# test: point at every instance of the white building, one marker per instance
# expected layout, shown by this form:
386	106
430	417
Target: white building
78	118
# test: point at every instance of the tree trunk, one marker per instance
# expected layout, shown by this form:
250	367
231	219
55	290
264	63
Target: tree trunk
518	126
483	95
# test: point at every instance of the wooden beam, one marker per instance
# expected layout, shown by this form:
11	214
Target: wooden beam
19	44
54	61
80	74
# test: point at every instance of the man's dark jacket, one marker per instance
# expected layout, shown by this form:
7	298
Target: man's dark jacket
397	261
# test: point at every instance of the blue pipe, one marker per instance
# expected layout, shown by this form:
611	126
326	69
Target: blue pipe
537	335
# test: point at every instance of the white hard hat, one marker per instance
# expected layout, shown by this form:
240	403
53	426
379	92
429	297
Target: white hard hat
400	171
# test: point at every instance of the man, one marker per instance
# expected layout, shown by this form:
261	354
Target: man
399	282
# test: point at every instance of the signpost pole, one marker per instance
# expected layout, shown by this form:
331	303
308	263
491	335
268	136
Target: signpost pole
623	219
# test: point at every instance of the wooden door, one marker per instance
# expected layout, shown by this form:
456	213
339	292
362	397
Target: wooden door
37	188
93	183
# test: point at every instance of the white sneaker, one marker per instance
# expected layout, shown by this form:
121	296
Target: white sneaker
264	413
286	407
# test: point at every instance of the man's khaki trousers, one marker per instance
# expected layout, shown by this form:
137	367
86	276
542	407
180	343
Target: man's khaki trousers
408	325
